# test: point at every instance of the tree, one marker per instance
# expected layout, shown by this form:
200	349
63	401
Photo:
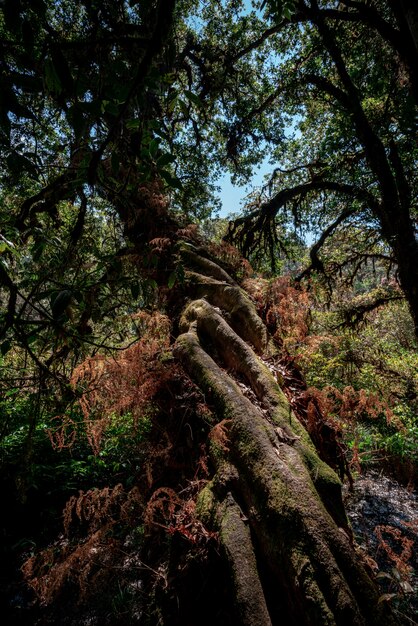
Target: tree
349	84
95	99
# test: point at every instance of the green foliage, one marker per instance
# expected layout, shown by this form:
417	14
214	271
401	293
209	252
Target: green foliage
378	357
280	10
62	469
119	454
318	88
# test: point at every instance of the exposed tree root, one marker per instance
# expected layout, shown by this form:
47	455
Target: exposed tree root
290	512
227	517
276	507
195	259
235	303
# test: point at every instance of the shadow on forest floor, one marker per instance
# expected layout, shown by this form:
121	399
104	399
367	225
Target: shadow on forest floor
384	519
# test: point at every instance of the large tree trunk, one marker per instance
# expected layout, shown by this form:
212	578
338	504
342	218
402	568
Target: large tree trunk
285	554
276	505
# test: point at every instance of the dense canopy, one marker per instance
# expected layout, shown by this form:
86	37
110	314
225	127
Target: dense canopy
120	319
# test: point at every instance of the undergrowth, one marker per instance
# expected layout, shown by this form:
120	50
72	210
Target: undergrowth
146	424
362	382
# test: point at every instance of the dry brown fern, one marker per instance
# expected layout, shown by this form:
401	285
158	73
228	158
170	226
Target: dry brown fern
176	515
400	560
126	383
287	312
230	256
350	404
97	507
189	233
87	563
219	435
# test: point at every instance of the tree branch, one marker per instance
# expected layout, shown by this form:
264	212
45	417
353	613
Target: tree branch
355	312
280	199
248	231
325	85
368	15
164	20
316	263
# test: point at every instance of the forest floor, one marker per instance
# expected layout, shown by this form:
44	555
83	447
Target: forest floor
384	518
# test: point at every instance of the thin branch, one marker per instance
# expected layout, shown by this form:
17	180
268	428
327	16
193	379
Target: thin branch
353	315
370	16
325	85
249	231
316	263
257	42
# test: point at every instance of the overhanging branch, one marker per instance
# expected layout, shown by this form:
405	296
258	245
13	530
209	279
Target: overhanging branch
250	231
316	263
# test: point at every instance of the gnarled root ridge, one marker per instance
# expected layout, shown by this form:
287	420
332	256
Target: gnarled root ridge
276	505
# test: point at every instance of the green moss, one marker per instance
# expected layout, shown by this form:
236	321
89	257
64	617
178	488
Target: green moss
206	504
286	490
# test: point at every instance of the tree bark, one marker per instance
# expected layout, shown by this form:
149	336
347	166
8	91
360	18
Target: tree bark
277	507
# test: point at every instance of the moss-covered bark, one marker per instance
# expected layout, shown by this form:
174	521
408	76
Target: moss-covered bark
217	507
280	506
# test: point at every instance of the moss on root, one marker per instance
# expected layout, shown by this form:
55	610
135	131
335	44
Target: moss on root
290	507
236	305
224	514
238	355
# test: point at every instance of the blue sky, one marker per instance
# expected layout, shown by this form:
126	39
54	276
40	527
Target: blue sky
232	196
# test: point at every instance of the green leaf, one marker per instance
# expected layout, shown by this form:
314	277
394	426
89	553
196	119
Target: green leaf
11	392
37	250
169	78
183	107
161	133
110	107
165	159
151	283
133	124
153	146
52	80
172	280
192	97
172	181
32	338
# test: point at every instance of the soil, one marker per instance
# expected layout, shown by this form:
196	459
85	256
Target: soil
379	502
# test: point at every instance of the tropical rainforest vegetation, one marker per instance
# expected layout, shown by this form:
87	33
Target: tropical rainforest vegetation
183	395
